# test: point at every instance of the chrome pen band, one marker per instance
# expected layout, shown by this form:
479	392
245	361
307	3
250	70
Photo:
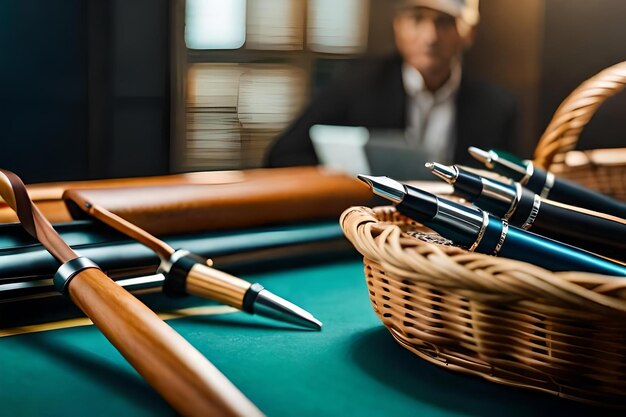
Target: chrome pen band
481	232
533	213
505	230
515	202
69	270
548	185
500	193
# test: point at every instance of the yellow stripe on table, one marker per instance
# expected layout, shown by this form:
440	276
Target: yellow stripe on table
84	321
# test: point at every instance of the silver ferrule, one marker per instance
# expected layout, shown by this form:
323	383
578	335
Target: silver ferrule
468	221
499	192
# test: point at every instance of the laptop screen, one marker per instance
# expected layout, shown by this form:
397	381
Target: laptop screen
341	147
357	150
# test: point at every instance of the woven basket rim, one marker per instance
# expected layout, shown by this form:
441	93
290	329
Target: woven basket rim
377	234
574	113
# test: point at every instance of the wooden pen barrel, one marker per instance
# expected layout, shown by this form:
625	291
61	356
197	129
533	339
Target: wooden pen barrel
213	284
174	368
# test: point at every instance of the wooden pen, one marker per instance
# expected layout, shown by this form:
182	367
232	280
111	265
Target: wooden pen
174	368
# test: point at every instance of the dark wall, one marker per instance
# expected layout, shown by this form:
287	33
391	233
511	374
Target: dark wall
507	51
43	85
139	136
542	50
581	38
85	83
85	88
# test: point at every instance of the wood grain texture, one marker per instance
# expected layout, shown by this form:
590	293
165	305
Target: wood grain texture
174	368
210	283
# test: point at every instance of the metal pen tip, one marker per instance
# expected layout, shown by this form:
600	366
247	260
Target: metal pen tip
385	187
447	173
485	157
270	305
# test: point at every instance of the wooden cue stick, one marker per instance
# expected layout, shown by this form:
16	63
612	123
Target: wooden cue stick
174	368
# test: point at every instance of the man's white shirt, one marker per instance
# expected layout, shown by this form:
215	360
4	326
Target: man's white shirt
431	116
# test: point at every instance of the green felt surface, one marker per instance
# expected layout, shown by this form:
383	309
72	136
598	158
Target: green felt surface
353	367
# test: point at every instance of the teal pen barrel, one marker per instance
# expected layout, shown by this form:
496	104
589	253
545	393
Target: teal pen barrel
525	246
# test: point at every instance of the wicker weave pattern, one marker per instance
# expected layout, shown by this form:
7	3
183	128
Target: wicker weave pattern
563	131
507	321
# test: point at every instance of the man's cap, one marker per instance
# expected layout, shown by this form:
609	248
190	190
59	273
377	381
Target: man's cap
466	10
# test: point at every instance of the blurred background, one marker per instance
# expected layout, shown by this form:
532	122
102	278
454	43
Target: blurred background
99	89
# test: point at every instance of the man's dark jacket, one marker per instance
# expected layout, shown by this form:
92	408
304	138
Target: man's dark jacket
372	95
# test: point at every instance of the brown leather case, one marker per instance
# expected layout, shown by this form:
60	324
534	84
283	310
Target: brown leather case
244	199
49	196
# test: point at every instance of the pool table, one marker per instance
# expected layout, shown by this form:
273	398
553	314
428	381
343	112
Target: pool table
55	364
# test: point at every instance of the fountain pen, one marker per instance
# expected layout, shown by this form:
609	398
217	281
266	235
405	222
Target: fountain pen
586	229
476	230
546	184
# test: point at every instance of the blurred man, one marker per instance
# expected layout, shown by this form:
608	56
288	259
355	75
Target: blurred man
422	90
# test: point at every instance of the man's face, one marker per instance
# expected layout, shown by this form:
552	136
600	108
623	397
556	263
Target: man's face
427	39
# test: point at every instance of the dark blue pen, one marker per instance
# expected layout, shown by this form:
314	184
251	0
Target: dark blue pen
586	229
476	230
546	184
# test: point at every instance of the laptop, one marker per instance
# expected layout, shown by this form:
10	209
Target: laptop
358	150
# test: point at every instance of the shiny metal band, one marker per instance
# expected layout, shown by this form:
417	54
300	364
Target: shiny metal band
69	270
548	185
530	169
481	232
166	264
515	202
533	213
494	190
505	230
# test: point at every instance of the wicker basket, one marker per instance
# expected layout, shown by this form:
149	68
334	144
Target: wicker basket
601	169
507	321
510	322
